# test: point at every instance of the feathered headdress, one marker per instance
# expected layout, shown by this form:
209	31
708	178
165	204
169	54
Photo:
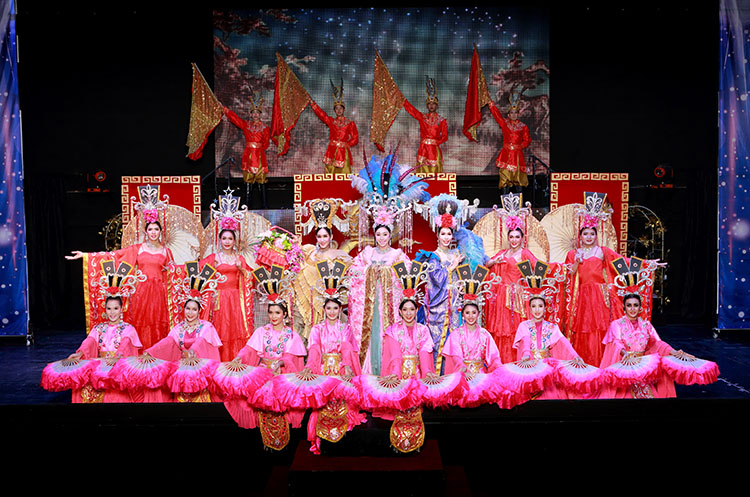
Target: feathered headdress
228	216
473	287
274	286
323	214
431	90
388	190
118	280
338	94
150	208
199	284
332	284
411	279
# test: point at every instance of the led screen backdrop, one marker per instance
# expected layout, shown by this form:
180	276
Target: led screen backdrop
734	158
324	45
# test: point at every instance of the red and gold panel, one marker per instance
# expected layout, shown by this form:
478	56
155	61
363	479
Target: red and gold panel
339	186
184	191
568	188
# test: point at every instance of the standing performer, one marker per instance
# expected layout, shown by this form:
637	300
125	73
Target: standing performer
342	134
433	132
510	160
508	308
323	218
257	139
231	309
147	310
333	351
470	347
387	190
441	312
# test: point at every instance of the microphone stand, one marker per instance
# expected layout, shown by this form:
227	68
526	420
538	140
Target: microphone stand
534	161
215	170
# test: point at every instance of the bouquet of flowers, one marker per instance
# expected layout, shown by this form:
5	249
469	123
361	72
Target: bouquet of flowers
278	246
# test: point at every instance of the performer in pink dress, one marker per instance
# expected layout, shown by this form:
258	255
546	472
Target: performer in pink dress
507	308
109	340
470	347
433	132
633	336
193	337
231	310
407	346
342	134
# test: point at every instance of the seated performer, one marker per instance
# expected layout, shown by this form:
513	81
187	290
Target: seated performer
632	336
433	132
407	346
470	347
342	134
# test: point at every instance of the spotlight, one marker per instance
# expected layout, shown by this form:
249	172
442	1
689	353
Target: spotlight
96	182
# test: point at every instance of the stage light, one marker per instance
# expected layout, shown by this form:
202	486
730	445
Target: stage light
96	182
663	171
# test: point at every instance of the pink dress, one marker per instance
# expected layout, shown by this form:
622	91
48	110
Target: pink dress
474	349
204	341
407	351
148	309
231	311
107	340
507	309
543	340
265	346
638	337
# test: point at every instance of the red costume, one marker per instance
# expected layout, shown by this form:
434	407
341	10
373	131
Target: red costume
342	135
510	160
257	139
433	132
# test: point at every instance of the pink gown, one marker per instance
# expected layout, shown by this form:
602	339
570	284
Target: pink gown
330	350
474	349
638	337
147	310
231	311
402	345
265	346
592	304
507	309
541	341
204	341
107	340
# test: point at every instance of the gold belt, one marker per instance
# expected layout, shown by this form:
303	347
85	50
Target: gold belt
409	366
429	141
253	144
340	144
541	354
331	363
473	366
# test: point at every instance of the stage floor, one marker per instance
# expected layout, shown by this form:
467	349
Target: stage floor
481	451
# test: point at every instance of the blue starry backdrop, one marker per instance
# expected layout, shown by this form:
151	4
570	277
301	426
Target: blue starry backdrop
324	45
13	275
734	162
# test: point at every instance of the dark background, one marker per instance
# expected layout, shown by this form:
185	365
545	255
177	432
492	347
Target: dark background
633	85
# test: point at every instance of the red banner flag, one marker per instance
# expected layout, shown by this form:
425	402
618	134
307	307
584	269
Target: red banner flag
477	96
205	115
289	101
387	101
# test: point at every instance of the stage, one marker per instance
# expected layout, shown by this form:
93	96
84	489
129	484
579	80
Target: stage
467	452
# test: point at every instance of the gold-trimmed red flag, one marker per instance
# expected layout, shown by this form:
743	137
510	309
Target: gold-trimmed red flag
477	96
387	101
290	99
205	115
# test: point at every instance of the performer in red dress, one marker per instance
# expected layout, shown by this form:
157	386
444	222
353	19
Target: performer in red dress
342	134
510	160
147	309
507	308
433	132
257	139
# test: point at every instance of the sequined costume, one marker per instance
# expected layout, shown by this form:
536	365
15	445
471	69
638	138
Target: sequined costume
257	139
342	136
510	161
433	132
473	349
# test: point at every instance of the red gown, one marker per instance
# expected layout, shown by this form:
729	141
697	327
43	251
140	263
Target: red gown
506	309
592	304
510	160
147	308
342	135
433	132
231	311
257	139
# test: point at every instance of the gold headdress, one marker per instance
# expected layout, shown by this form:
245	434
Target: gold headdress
431	90
473	287
256	101
323	214
118	281
273	285
199	283
411	279
332	283
514	98
338	94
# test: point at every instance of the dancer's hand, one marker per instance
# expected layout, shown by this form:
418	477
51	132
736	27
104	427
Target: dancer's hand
77	254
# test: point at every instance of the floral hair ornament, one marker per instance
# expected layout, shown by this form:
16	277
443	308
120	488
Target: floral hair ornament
118	281
446	211
150	208
322	213
593	213
199	284
388	191
411	279
474	287
332	283
228	216
514	214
